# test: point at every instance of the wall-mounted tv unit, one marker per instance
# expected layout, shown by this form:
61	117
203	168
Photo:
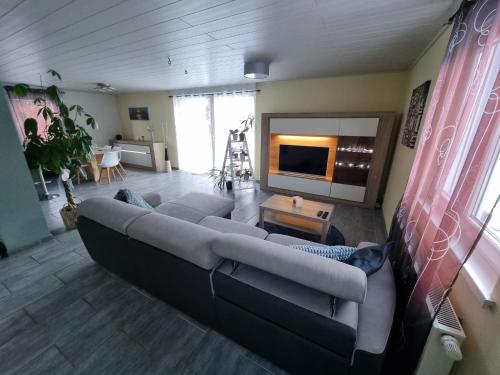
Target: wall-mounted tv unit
303	159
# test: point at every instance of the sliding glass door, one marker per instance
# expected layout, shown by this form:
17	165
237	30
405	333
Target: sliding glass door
202	125
193	127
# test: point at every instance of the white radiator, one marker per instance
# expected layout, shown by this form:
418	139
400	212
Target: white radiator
443	344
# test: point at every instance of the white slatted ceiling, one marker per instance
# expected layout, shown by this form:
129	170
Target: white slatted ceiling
127	42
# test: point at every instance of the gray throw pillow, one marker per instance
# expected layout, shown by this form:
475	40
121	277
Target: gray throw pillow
128	196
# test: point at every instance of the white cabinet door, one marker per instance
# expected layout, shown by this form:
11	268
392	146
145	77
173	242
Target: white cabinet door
304	185
358	127
305	126
348	192
136	155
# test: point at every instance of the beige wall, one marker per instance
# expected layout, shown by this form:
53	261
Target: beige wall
481	349
371	92
161	118
427	68
104	109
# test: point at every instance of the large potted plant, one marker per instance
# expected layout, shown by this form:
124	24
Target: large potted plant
64	145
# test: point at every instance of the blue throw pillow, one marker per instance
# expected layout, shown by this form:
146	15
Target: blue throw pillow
340	253
128	196
371	258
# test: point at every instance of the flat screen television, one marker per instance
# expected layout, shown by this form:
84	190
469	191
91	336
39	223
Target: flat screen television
303	159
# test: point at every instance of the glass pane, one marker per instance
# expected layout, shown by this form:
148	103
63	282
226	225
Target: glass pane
194	140
353	160
229	111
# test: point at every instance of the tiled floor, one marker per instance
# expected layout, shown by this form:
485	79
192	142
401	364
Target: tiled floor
61	313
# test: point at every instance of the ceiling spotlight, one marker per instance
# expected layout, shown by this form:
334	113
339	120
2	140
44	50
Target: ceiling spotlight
256	70
169	61
104	87
185	71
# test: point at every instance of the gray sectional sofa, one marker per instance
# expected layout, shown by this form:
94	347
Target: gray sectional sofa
306	313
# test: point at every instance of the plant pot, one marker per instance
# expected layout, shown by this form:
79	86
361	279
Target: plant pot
246	177
242	137
229	185
68	215
235	136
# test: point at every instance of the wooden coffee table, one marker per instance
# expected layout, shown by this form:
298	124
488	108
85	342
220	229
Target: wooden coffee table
279	210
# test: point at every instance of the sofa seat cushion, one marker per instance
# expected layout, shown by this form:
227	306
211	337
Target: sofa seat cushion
229	226
316	316
208	204
376	314
289	240
181	238
111	213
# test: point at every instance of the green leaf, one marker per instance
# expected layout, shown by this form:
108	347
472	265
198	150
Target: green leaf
39	101
54	93
53	73
69	124
30	127
63	110
21	89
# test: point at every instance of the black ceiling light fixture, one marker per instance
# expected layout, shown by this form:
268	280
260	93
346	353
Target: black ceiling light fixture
256	70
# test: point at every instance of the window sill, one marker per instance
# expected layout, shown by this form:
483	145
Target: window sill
481	287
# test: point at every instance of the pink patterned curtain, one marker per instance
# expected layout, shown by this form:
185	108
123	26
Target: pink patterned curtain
23	108
435	226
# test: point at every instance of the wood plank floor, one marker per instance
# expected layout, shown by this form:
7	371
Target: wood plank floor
61	313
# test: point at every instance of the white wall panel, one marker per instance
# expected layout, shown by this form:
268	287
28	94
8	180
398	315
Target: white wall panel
304	185
359	127
313	126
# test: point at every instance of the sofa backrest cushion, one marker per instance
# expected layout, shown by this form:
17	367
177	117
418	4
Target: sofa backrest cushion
178	237
323	274
111	213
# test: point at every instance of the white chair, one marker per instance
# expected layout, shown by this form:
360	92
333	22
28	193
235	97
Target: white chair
109	163
119	149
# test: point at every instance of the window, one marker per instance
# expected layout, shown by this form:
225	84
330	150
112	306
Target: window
23	108
487	199
202	125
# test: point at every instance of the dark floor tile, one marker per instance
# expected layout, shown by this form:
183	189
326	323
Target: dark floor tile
194	322
69	319
116	355
16	265
215	355
29	294
70	236
75	271
25	346
54	302
149	325
107	293
54	251
4	292
50	362
169	343
13	325
264	363
34	274
105	323
82	251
